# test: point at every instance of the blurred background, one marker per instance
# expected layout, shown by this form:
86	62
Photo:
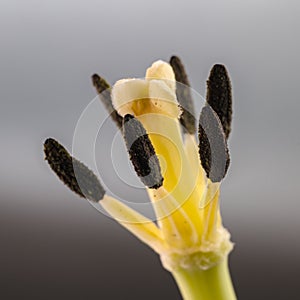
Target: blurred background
54	245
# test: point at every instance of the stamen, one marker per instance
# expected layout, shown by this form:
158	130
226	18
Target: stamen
142	153
104	91
213	150
184	96
219	96
72	172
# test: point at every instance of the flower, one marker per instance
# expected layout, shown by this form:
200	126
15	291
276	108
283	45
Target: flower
189	232
182	176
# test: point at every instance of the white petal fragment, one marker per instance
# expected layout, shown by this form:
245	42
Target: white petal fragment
126	92
164	98
162	70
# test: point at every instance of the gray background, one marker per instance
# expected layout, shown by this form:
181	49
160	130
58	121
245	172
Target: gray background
55	245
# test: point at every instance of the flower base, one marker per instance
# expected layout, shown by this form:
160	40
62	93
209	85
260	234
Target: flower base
212	284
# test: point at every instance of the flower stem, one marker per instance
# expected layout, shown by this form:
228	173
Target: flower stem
212	284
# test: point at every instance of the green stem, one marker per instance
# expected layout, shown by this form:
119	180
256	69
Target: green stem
212	284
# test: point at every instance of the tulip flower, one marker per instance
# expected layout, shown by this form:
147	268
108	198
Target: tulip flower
182	175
